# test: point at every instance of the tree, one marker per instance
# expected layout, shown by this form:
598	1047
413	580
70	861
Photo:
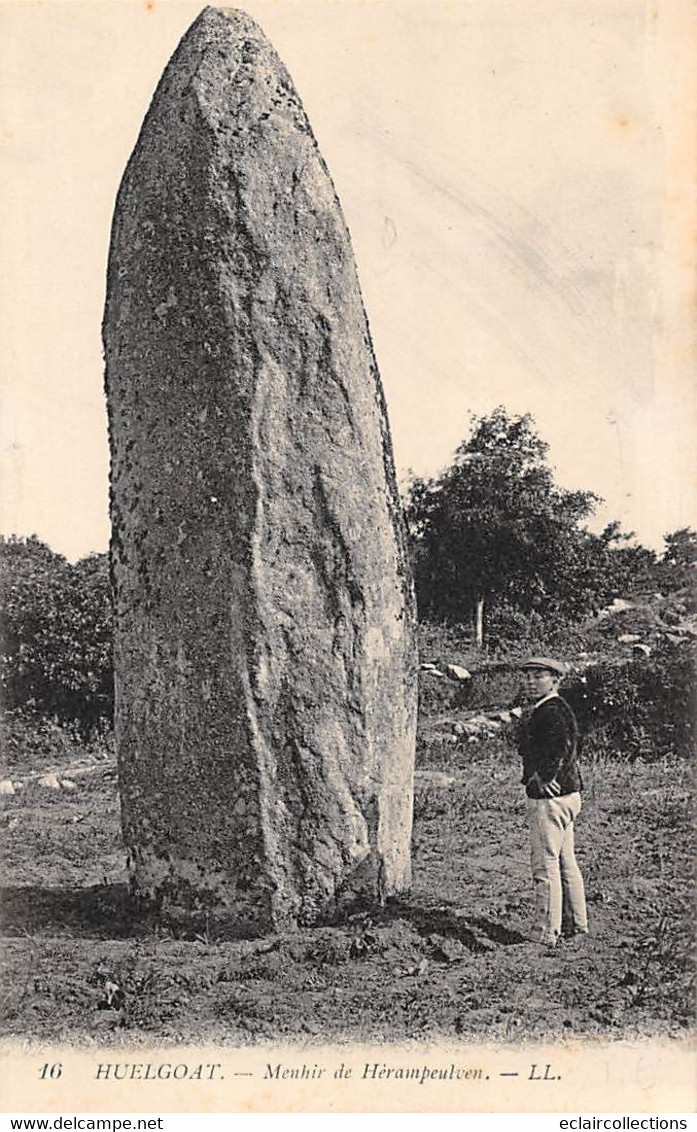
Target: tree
56	633
598	568
494	526
678	566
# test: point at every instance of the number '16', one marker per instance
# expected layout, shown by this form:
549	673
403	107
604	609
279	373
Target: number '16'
51	1071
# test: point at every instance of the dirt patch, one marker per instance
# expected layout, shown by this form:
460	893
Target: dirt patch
80	964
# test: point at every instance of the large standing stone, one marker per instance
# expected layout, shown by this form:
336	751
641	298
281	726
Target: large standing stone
265	659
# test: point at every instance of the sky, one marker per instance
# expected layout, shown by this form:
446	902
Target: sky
518	181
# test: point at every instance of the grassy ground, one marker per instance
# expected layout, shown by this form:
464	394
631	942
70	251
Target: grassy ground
450	961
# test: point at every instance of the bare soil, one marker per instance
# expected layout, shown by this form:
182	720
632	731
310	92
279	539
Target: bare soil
450	961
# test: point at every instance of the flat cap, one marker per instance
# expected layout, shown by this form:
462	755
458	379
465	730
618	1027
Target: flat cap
556	666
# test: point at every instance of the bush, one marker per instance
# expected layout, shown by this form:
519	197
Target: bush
511	633
56	649
507	627
30	741
644	708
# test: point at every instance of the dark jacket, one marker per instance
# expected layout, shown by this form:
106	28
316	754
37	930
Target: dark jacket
548	744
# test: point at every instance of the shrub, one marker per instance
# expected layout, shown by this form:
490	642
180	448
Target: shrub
507	625
643	708
514	634
30	741
56	634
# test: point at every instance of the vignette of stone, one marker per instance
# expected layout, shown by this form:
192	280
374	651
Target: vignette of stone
265	660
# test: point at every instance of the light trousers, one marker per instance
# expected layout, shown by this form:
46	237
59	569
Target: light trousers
556	876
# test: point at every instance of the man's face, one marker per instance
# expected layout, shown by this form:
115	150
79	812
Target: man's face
538	682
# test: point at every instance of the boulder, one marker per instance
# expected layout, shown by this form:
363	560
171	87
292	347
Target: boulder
455	672
265	663
468	728
620	605
688	627
49	782
433	778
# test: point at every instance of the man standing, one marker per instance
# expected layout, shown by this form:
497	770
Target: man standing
548	742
